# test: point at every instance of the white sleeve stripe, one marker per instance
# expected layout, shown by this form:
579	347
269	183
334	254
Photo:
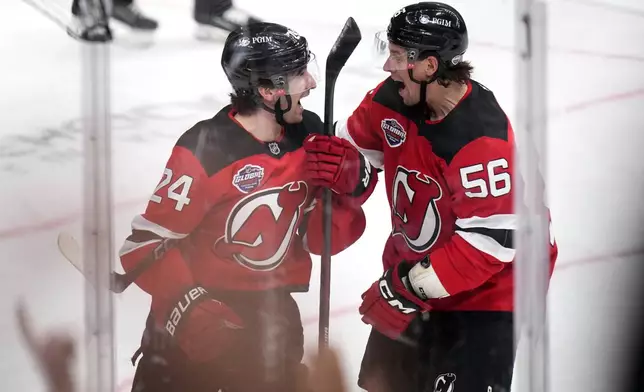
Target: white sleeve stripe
131	246
488	245
498	221
140	223
375	157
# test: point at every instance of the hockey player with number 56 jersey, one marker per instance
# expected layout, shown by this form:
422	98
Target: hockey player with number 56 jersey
236	198
446	149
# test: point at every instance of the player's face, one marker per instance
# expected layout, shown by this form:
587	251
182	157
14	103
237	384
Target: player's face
398	67
307	82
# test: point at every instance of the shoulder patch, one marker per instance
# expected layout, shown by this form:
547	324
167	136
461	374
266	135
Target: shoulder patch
248	178
395	134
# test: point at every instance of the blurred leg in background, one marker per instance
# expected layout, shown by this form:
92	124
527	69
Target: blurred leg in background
215	17
126	12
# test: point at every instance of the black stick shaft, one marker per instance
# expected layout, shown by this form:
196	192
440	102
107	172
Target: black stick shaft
344	46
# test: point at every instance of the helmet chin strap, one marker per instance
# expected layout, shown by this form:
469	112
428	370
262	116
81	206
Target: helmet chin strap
278	111
424	83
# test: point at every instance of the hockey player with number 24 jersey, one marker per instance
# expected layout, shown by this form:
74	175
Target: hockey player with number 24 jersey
236	197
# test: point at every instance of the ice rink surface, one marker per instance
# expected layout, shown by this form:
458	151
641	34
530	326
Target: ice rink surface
594	165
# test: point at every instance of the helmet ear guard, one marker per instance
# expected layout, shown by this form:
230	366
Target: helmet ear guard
299	80
294	82
398	61
283	71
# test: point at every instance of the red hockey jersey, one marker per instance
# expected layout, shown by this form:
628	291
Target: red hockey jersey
449	184
245	216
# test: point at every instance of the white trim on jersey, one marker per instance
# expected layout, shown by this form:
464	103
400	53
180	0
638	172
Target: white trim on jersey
131	246
140	223
498	221
488	245
375	157
426	283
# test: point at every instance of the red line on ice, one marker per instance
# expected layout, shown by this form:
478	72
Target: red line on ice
46	225
20	231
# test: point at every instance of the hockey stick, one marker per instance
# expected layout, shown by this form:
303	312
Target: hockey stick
340	52
72	251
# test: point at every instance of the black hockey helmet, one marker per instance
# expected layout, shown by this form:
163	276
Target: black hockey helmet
426	29
268	53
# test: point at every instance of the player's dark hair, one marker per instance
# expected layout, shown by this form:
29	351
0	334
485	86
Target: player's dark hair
246	102
459	73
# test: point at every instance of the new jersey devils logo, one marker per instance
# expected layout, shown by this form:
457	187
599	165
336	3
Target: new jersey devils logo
261	226
414	209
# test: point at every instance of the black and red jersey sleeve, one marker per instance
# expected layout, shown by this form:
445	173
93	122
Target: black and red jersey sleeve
176	207
480	177
480	180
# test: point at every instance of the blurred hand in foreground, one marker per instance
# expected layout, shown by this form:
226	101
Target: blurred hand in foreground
53	352
326	375
54	355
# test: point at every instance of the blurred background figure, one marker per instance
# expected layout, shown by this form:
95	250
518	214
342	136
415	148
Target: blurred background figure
213	17
216	16
53	353
126	12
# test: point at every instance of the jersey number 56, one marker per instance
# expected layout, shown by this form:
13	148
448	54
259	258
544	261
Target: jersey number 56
482	181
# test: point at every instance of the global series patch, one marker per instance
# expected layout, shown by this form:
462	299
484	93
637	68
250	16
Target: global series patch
395	134
248	178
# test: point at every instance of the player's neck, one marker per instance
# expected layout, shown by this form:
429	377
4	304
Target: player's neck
441	100
261	125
